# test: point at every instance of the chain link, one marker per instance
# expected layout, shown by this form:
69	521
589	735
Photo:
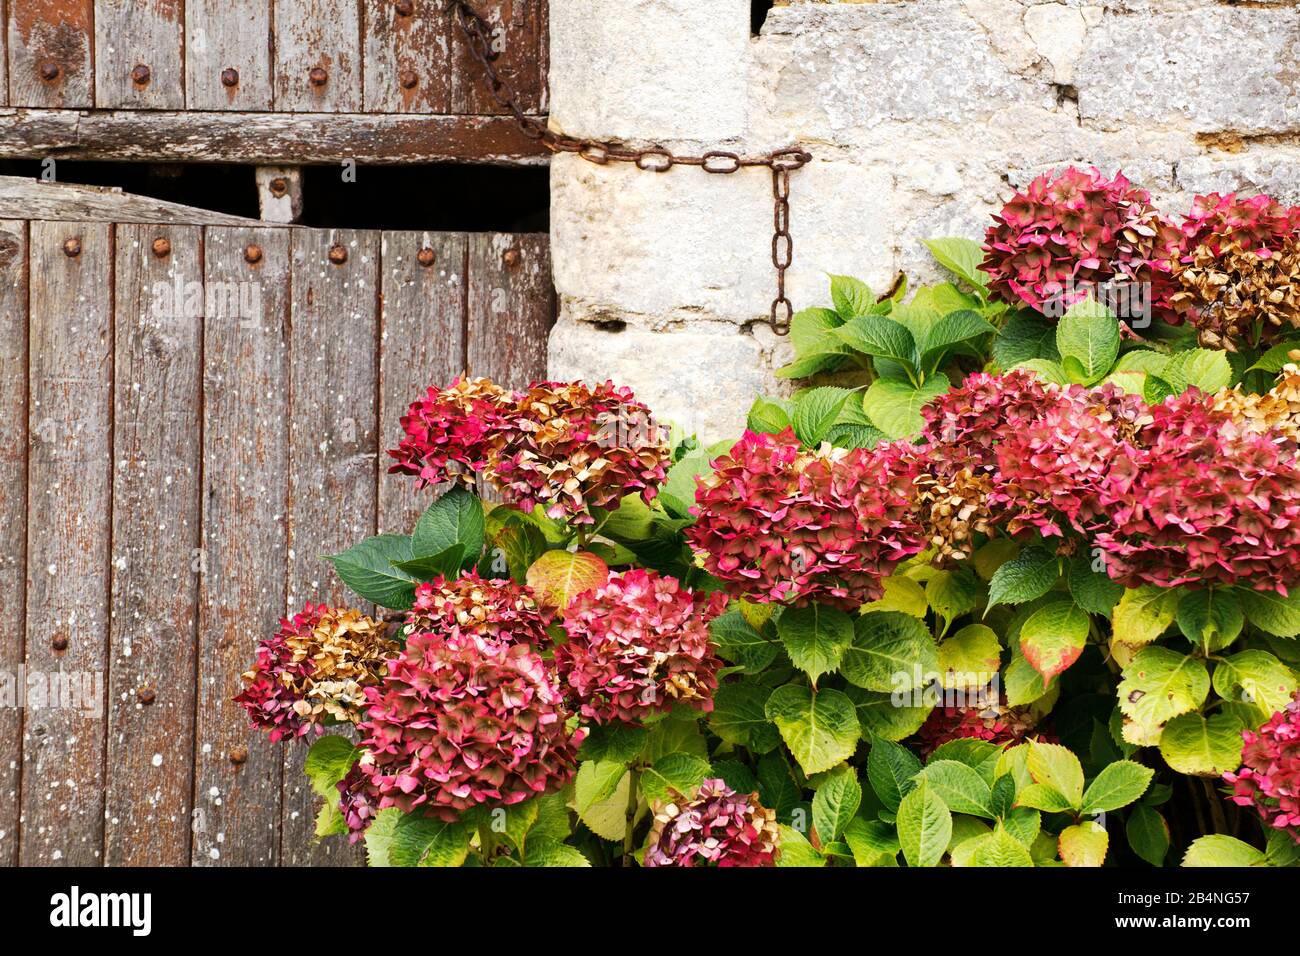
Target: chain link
478	33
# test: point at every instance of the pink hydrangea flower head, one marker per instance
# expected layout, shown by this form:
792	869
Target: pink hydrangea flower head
358	802
315	668
1269	778
1055	472
497	611
459	722
1071	231
572	447
639	645
716	827
990	719
1205	500
964	425
447	432
780	524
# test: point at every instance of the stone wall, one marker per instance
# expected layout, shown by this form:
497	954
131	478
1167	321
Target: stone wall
921	116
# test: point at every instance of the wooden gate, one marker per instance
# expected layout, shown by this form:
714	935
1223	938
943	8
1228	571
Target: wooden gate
190	416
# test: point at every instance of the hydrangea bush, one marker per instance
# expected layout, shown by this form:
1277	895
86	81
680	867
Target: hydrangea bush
1011	579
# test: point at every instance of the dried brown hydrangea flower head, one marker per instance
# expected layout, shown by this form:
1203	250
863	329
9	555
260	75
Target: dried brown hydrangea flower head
1278	410
1226	292
952	510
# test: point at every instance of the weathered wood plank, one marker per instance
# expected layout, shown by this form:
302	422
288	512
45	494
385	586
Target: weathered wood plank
50	53
422	343
318	56
157	417
4	52
517	29
236	818
65	202
227	55
70	423
138	59
407	57
333	451
13	516
511	307
273	139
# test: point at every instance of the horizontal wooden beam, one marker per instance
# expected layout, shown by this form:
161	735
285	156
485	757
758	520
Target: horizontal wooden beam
66	202
264	138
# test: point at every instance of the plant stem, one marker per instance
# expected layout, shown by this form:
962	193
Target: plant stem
1216	809
633	787
487	843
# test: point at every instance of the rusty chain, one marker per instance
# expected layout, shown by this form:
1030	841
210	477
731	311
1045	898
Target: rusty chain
478	33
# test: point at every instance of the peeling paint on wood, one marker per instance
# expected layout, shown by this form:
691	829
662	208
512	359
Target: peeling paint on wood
318	56
131	35
50	53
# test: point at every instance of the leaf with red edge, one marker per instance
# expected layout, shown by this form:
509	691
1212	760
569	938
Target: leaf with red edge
1053	637
1084	844
557	577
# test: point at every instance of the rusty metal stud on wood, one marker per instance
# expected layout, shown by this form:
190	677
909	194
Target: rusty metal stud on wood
426	257
512	258
72	247
338	255
404	8
318	76
279	186
238	755
408	79
145	695
162	247
252	254
140	75
229	77
49	71
59	643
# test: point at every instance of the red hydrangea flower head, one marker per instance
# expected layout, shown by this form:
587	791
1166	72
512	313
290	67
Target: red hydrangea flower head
780	524
358	802
717	827
1207	500
995	722
459	722
316	667
1269	779
448	432
1071	231
639	645
964	425
572	447
498	611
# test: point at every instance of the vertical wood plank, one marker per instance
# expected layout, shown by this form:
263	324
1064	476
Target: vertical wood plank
130	34
422	341
333	452
517	29
236	817
157	359
318	35
228	55
4	52
50	56
511	307
13	515
68	513
407	57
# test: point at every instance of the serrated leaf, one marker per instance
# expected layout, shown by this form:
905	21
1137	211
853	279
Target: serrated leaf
1279	355
812	331
1087	337
1210	618
835	803
969	658
1207	747
852	297
950	330
961	257
613	743
1270	612
739	717
1257	678
901	594
1144	613
1041	796
999	849
674	774
924	826
454	519
1024	337
890	652
815	637
1024	685
895	406
429	841
821	730
328	762
1053	637
368	569
557	577
1093	591
878	336
1205	369
891	770
776	788
767	417
1025	577
815	411
1058	768
1218	850
872	842
881	716
379	837
960	787
796	851
952	593
554	853
600	796
1160	684
1084	844
740	643
1118	785
1148	834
